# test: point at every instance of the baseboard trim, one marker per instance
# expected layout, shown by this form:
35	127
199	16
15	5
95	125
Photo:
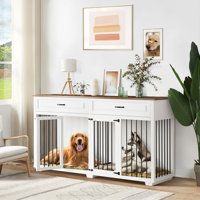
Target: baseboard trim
185	173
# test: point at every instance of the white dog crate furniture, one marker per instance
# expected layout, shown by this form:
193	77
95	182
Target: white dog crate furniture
129	138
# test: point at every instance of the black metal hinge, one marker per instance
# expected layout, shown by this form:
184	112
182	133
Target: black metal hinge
90	119
90	170
116	120
118	173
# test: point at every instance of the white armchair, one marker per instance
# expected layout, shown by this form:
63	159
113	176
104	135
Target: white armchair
10	153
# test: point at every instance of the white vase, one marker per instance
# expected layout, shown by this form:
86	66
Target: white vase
94	87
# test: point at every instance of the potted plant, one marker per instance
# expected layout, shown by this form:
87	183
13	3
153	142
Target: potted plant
186	105
139	73
81	87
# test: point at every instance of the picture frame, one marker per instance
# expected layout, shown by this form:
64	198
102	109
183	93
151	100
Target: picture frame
111	82
153	43
108	28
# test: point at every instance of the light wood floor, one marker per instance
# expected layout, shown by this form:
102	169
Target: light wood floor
183	189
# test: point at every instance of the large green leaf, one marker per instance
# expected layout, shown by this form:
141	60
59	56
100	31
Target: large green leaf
197	131
197	125
195	86
187	83
181	83
194	57
180	107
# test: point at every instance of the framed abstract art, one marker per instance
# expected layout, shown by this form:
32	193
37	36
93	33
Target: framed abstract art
108	28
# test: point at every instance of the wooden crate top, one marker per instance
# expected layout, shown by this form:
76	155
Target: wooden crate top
104	97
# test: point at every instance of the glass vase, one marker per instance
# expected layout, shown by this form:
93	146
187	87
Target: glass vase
139	90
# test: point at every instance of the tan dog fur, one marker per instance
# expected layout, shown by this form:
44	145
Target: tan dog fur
71	157
152	45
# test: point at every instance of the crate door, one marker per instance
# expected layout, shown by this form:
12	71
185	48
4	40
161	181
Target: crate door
104	153
136	144
48	152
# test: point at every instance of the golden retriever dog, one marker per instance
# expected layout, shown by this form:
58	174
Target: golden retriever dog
152	44
75	155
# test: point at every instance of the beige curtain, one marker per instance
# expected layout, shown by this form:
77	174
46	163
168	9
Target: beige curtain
24	75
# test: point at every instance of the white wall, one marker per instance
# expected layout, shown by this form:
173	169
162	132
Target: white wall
62	38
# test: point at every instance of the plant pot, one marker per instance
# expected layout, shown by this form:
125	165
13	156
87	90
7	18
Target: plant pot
197	173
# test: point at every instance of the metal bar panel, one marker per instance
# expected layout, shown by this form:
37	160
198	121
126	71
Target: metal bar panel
164	149
98	144
146	148
159	152
56	134
170	146
111	144
103	147
136	150
131	150
141	146
94	129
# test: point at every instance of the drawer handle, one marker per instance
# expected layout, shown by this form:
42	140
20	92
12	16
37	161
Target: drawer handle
119	106
60	104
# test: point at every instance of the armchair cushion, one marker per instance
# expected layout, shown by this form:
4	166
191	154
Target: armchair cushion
13	158
1	141
9	151
1	137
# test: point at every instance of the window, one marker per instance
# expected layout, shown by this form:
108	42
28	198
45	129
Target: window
5	50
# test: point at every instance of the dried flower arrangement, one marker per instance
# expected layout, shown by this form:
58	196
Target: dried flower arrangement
81	87
139	72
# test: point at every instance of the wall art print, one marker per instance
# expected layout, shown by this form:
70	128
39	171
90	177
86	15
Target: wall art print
108	28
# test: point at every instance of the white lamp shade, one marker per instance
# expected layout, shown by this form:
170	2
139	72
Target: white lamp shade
68	65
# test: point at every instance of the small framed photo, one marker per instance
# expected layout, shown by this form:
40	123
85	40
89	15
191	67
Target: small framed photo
108	28
111	82
153	43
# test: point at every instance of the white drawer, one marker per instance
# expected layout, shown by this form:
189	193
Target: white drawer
133	108
62	105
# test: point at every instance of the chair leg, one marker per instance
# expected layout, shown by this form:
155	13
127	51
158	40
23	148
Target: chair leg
28	167
1	166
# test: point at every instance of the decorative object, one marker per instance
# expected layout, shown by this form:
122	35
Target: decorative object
120	91
120	88
186	105
139	90
197	173
81	87
40	186
139	73
153	43
107	28
125	94
68	65
94	87
111	82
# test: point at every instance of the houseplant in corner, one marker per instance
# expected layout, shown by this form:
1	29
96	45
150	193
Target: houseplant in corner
186	105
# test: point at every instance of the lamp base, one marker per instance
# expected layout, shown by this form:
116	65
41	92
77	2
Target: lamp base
68	84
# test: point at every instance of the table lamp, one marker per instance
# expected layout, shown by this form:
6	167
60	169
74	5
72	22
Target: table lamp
68	65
